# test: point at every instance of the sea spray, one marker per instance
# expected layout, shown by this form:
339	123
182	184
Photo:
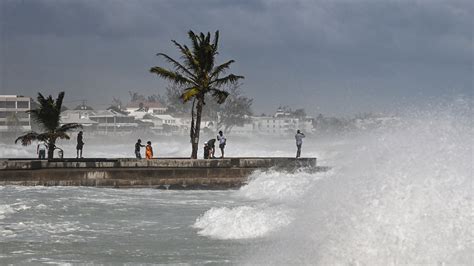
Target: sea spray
242	222
399	194
278	186
269	198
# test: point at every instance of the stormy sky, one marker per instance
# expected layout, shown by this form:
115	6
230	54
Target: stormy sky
330	57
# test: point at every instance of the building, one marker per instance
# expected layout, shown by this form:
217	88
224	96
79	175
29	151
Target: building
13	115
145	107
79	117
101	121
282	123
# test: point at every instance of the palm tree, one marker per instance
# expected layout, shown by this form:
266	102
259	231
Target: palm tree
198	75
48	116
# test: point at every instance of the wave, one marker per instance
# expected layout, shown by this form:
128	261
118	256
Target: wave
242	222
399	194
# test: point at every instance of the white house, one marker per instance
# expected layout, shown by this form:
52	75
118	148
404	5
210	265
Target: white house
144	107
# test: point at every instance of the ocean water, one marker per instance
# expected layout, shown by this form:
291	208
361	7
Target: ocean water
397	194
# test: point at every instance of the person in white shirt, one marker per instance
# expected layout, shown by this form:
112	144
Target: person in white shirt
222	141
299	141
41	149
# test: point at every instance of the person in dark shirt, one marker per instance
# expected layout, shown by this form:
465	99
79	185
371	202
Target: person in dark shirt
212	146
299	141
138	145
207	151
80	145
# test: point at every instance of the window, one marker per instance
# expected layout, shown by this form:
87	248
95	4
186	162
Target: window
10	104
22	114
4	114
23	104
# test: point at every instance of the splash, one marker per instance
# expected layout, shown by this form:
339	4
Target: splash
399	194
241	222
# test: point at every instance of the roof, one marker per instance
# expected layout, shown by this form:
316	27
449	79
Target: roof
164	117
136	104
106	113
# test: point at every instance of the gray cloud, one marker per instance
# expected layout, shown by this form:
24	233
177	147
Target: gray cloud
330	56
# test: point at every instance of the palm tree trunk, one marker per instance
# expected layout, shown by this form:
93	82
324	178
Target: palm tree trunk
197	128
51	146
191	130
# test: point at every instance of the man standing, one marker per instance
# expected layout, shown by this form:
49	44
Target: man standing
222	141
41	150
138	145
299	141
80	145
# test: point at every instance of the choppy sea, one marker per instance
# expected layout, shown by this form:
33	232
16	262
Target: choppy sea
400	193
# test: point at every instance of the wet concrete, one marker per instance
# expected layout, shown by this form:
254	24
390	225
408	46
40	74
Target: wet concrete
165	173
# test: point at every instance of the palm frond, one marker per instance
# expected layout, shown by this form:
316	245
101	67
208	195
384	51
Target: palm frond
178	66
188	57
68	127
60	135
216	41
171	75
49	111
27	138
189	93
226	80
59	101
219	95
221	69
194	41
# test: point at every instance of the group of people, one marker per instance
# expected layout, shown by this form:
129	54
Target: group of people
42	147
148	149
209	147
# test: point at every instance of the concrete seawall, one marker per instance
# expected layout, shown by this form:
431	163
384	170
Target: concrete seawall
172	173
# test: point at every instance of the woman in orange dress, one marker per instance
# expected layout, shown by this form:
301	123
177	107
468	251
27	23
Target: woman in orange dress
149	150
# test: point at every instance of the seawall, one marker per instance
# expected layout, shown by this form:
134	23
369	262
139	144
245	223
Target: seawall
166	173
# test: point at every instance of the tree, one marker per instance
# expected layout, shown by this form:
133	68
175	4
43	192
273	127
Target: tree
117	103
48	116
173	101
199	76
236	111
135	96
299	113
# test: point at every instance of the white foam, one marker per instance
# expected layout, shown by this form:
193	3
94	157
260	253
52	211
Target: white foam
4	210
278	186
398	195
241	222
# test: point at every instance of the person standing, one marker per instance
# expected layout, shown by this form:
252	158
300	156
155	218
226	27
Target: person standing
149	151
299	141
222	142
138	146
80	145
212	146
207	151
41	150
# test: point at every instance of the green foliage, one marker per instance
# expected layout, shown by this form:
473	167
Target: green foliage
197	75
236	111
48	116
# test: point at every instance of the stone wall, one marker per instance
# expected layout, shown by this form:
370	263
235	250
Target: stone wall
174	173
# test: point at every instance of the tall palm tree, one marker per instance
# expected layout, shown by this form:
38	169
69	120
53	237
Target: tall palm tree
198	75
48	116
